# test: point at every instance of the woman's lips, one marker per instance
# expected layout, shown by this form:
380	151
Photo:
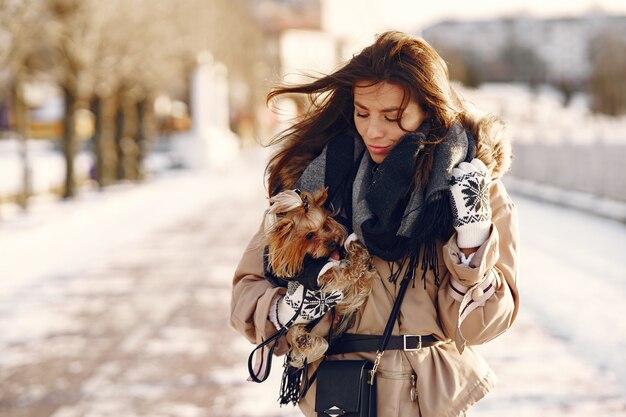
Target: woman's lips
378	149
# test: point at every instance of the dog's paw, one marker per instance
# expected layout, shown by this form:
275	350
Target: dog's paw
358	255
305	346
330	279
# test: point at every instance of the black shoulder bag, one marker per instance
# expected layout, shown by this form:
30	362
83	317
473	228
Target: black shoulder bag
348	387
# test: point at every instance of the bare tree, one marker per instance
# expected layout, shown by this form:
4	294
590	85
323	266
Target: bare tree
120	54
122	44
229	30
463	66
73	37
161	46
607	83
107	52
153	56
20	23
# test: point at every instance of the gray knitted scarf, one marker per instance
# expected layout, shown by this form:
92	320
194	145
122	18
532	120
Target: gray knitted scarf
390	214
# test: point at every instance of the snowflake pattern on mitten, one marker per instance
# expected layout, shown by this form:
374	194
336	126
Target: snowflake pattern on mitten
314	303
474	190
469	199
317	303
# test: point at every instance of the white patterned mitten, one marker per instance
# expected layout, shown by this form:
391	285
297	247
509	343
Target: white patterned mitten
311	304
471	210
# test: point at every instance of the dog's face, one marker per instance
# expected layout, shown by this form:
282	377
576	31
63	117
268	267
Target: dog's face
298	225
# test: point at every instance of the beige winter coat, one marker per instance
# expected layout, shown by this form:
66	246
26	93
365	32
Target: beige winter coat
448	382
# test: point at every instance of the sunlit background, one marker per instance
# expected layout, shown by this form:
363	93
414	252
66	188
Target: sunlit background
131	179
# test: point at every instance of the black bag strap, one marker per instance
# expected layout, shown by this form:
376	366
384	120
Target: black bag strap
395	311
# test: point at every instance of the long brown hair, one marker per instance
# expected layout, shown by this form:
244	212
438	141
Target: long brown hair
395	58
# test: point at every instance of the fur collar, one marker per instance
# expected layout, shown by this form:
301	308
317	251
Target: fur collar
493	145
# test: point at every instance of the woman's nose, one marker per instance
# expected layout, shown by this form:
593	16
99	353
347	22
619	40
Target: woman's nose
374	130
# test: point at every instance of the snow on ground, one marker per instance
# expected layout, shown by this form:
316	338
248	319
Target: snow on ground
113	304
137	325
47	166
564	355
57	238
589	203
573	277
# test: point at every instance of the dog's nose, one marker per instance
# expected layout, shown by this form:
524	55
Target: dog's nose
332	245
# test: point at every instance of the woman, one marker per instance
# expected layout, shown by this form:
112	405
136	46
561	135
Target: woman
416	176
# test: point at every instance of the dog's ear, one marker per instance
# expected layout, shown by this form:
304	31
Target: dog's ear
320	196
279	240
275	221
283	227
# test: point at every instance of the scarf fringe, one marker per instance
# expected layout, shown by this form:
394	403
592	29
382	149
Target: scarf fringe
430	262
291	383
434	225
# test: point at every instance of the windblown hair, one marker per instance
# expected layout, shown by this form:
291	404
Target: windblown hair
396	58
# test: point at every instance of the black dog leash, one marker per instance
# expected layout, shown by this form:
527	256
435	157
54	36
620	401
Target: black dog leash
274	341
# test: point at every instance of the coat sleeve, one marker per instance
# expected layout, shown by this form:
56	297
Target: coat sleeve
480	301
252	297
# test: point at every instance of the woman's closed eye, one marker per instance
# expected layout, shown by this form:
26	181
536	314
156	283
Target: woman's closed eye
387	118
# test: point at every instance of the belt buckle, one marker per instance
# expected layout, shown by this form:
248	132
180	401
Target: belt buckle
419	344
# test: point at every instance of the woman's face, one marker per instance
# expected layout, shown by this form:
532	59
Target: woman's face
376	111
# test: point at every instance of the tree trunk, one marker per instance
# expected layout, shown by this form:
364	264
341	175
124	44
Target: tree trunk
69	142
141	137
118	136
107	140
130	144
23	132
98	169
105	149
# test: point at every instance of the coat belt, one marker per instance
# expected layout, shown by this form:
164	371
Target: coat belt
351	342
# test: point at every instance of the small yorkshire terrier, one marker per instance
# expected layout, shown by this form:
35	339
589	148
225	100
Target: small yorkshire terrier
298	225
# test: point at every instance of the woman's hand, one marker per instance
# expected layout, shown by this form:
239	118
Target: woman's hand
304	305
469	188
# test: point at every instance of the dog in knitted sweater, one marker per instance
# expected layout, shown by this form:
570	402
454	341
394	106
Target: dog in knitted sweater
299	226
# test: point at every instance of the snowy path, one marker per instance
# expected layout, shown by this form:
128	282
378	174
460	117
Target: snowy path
576	272
117	305
565	354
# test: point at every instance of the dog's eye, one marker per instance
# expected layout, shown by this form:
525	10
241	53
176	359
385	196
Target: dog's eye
309	236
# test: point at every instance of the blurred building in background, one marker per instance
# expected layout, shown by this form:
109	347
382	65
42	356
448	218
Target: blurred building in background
568	53
553	50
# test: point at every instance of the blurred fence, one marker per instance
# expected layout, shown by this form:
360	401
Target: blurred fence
598	169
